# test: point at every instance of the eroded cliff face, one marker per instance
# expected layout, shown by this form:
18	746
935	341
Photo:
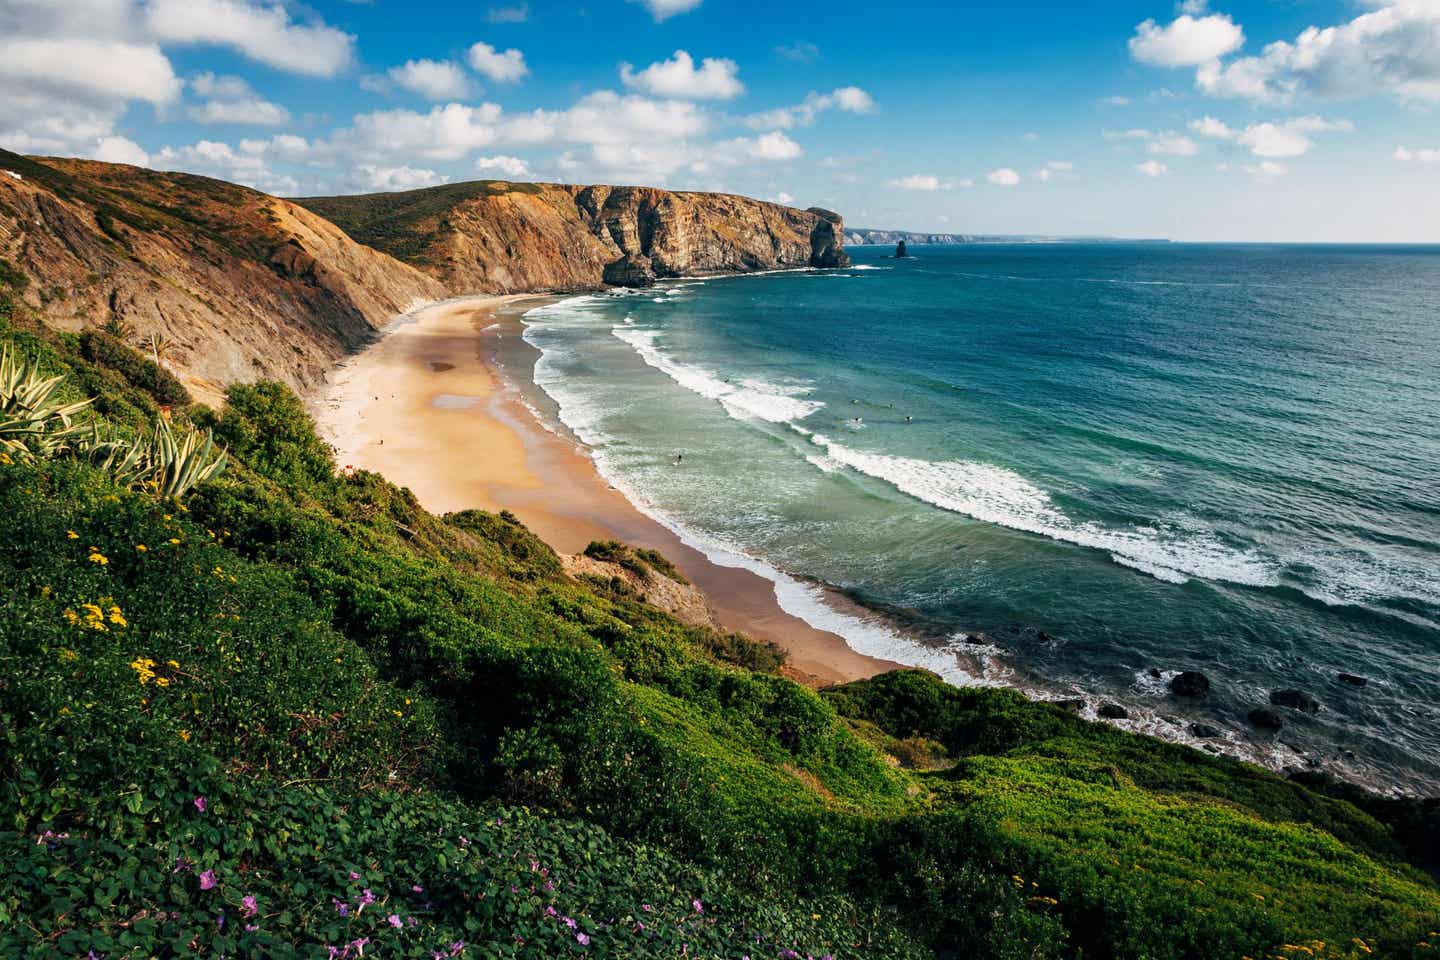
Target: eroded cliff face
243	286
510	238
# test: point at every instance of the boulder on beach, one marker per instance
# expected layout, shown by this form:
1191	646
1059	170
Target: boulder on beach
1295	700
1206	731
1191	683
1113	711
1266	719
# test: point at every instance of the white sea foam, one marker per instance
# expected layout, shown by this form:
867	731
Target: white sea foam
866	266
748	399
1000	496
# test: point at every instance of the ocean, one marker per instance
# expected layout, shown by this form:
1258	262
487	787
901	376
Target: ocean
1064	468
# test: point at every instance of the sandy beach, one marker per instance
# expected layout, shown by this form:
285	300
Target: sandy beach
426	406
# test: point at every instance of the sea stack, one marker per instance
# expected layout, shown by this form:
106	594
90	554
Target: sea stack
900	253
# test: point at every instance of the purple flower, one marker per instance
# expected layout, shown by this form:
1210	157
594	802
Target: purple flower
335	953
697	906
395	921
359	945
417	889
180	865
647	908
550	912
582	939
341	907
639	926
570	922
464	842
200	804
251	927
412	921
248	908
456	947
220	921
207	880
354	875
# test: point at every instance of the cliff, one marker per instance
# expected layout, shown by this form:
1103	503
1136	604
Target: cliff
497	237
240	285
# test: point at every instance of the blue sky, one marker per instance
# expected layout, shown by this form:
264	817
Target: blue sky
1243	120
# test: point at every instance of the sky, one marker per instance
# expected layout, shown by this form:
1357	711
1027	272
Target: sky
1245	120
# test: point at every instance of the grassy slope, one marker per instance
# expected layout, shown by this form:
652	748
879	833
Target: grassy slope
358	684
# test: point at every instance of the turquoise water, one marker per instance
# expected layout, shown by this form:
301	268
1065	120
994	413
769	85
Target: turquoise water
1060	466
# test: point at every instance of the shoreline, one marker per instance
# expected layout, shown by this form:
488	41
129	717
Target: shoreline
427	405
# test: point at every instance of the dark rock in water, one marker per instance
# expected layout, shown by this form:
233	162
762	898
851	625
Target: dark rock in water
1044	637
1351	679
1295	700
1191	683
1074	706
900	250
631	270
1155	672
1206	731
827	240
1113	711
1266	719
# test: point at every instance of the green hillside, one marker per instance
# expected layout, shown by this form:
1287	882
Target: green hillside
291	714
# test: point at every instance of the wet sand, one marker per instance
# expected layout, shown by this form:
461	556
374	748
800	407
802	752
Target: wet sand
427	407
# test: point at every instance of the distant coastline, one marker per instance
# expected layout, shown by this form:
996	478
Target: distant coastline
868	237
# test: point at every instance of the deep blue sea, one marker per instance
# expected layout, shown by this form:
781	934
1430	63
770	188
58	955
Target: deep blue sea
1060	466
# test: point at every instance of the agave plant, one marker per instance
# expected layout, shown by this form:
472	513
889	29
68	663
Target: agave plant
160	346
33	421
178	465
118	328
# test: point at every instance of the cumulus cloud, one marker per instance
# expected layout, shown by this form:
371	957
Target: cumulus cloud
1152	168
1267	168
1392	49
263	33
1173	145
847	99
678	77
922	182
1003	177
247	165
665	9
512	167
1053	169
785	198
1208	126
1188	41
444	133
502	67
519	13
431	79
230	100
798	52
1290	138
386	179
120	150
92	70
1423	155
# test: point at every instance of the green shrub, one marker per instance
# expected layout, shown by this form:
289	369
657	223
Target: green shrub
103	349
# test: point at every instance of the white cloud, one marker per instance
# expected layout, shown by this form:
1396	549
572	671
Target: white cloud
1187	42
248	165
1392	49
397	178
263	33
230	100
1052	169
1195	8
785	198
1290	138
664	9
847	99
1173	145
1267	168
1137	133
512	167
519	13
1003	177
445	133
1208	126
678	78
1152	168
90	70
923	182
120	150
431	79
506	67
799	52
1422	155
775	146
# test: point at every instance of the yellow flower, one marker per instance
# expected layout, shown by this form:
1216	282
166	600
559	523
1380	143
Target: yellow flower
141	547
64	711
185	735
45	590
116	617
174	664
165	516
5	459
162	681
175	541
98	557
71	617
69	656
72	534
144	669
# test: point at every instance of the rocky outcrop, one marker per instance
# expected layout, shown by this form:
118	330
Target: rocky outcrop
516	238
243	285
1190	683
681	600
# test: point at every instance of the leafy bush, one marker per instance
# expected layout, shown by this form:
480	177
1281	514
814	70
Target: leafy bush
105	350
